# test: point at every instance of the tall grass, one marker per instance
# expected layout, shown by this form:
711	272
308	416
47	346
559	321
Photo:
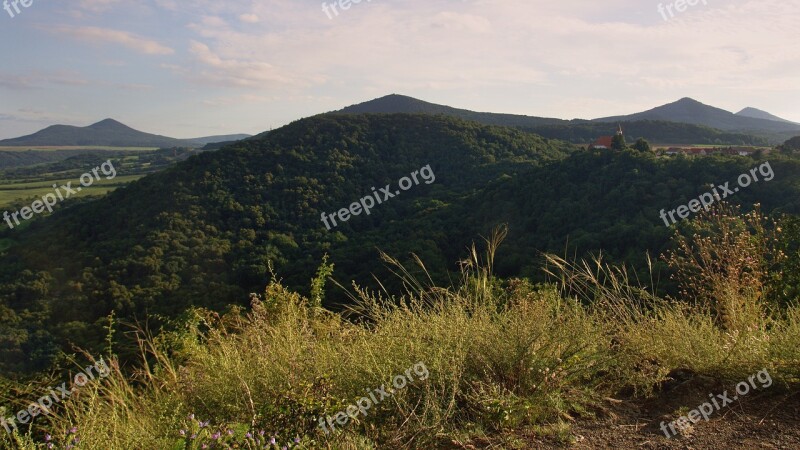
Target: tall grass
503	356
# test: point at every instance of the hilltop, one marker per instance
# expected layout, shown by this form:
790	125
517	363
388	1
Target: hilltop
395	103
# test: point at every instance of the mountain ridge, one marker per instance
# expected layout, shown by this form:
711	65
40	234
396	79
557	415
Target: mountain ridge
689	110
577	131
109	132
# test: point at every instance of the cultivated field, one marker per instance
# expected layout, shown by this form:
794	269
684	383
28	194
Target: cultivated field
11	192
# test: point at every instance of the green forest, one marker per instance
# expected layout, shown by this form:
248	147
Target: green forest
212	229
657	131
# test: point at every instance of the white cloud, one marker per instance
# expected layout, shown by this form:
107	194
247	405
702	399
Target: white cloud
231	72
249	18
580	58
97	5
103	35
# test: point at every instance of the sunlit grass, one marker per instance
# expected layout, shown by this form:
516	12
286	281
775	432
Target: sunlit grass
503	356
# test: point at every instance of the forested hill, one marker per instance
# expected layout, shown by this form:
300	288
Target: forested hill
203	232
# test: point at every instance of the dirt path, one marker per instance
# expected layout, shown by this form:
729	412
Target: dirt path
763	419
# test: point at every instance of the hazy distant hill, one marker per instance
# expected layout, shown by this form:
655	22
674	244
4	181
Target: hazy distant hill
759	114
107	132
687	110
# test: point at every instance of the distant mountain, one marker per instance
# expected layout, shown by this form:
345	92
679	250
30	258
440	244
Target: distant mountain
201	141
392	104
759	114
107	132
687	110
577	131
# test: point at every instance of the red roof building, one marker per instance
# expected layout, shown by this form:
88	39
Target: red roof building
603	142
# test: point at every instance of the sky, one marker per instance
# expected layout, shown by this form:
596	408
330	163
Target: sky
189	68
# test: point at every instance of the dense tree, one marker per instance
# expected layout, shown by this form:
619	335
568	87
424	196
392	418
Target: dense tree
206	231
791	146
653	130
642	145
618	142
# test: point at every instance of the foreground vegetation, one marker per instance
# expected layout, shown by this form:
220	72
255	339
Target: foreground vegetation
502	355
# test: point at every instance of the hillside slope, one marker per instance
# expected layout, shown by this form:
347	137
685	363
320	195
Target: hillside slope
205	231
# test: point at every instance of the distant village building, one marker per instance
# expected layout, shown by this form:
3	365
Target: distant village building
604	142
